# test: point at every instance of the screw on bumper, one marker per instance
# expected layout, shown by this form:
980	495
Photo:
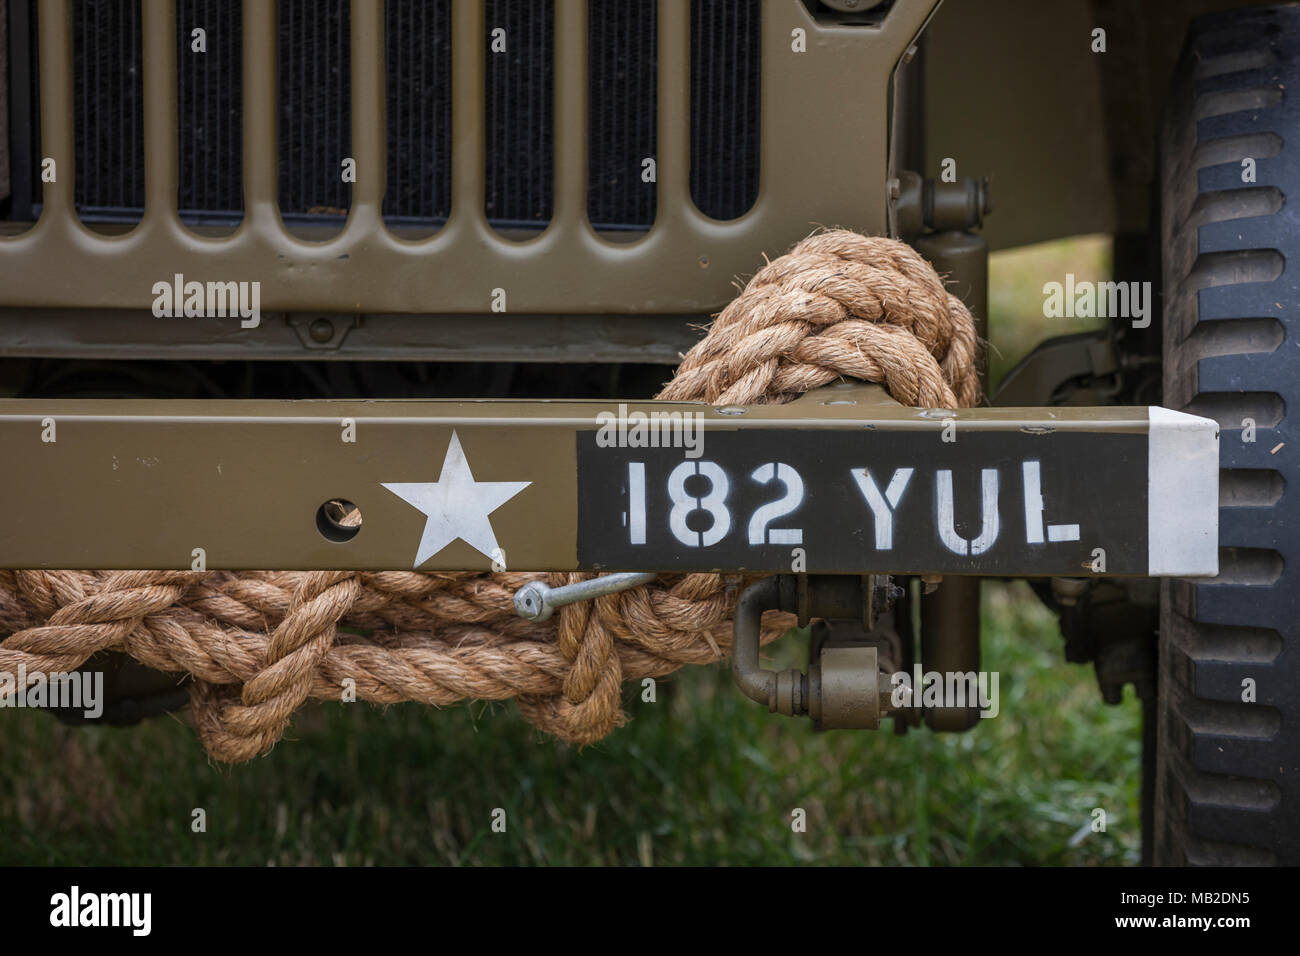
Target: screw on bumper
537	601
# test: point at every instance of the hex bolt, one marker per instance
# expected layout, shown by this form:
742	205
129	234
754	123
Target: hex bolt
536	601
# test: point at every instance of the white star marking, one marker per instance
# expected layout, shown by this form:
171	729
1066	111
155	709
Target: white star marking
457	505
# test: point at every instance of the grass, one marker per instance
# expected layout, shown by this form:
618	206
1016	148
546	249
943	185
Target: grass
701	776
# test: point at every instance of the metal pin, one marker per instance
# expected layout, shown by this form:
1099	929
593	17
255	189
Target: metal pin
536	601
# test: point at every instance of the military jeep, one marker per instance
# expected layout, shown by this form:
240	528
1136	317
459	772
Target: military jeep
213	211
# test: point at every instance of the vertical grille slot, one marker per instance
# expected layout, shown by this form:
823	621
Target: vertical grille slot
725	95
622	115
314	102
209	104
520	118
6	185
417	45
108	110
24	112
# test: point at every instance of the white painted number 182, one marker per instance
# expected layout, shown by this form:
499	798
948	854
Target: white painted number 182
714	504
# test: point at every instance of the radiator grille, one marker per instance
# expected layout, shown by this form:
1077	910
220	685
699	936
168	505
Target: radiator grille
699	224
314	136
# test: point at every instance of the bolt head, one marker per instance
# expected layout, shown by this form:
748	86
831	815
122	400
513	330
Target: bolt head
322	330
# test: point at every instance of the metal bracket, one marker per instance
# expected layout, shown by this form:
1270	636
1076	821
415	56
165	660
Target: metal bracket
319	332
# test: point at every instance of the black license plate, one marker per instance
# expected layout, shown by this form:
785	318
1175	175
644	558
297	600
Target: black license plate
988	502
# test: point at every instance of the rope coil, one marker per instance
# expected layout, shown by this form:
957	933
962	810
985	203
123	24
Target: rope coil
258	644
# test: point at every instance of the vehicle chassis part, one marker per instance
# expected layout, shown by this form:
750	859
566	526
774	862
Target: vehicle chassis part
844	687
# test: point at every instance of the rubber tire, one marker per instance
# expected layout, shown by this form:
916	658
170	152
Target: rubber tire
1227	784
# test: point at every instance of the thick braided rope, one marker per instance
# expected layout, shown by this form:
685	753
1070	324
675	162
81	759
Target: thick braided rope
838	305
258	644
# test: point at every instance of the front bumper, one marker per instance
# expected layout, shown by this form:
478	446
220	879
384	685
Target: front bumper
842	481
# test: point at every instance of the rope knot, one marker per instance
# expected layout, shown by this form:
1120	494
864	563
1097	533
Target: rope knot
290	666
837	305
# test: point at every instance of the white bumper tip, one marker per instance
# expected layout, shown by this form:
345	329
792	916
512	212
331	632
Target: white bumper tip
1182	495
